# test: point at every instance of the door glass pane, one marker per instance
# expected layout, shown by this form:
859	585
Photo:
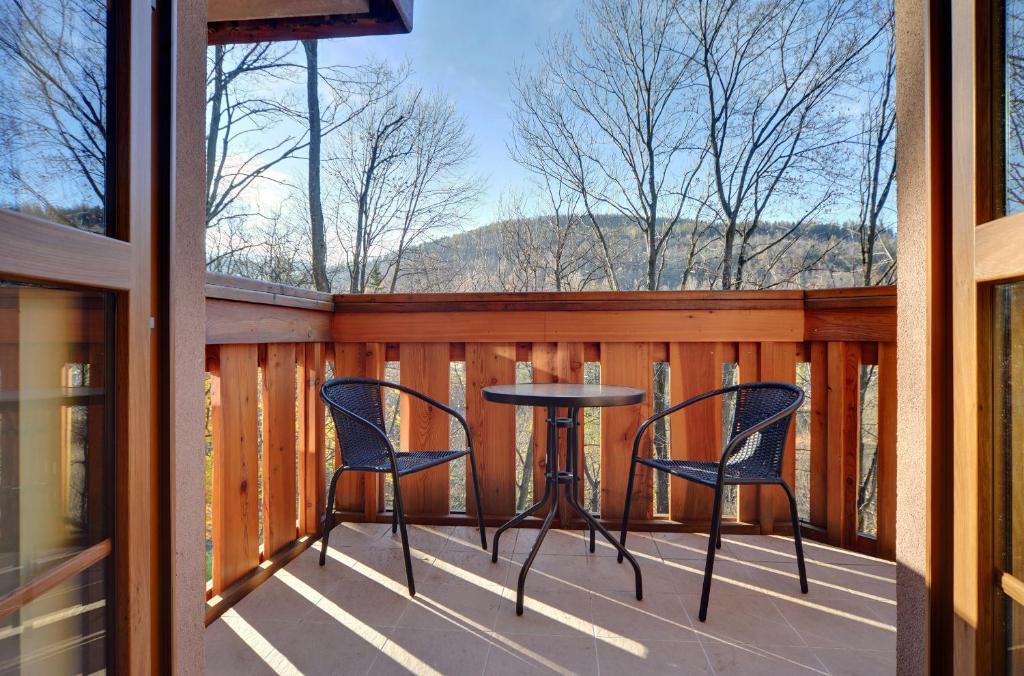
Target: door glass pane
1008	400
54	451
62	631
53	122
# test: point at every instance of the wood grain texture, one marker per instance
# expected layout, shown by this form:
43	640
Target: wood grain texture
425	368
887	450
311	416
36	249
819	435
778	364
999	249
748	358
571	326
696	430
843	441
627	364
493	427
349	362
279	460
233	400
544	357
233	322
570	363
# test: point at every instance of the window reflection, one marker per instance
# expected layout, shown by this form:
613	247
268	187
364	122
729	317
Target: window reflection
53	123
54	469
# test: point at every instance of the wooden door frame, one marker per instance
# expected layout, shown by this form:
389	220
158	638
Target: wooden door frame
123	264
986	248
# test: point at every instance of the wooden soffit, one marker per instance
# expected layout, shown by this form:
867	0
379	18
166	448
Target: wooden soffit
235	21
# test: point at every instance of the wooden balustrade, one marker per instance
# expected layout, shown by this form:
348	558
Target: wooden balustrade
269	348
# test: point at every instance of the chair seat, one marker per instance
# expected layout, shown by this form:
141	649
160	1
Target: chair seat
413	461
706	472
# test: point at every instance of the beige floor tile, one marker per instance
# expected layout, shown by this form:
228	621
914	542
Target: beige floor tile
639	657
562	613
572	542
838	623
274	597
416	651
729	576
842	662
336	618
350	534
636	543
825	580
659	616
748	619
733	660
463	566
515	654
447	607
232	649
686	545
424	539
324	648
468	538
357	603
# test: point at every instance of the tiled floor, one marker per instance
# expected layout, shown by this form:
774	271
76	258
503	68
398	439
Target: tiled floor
354	616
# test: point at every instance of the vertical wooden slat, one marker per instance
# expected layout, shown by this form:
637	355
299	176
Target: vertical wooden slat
570	363
544	357
696	430
887	450
374	360
349	362
493	427
311	437
778	364
748	358
424	368
843	441
233	398
819	434
278	447
626	364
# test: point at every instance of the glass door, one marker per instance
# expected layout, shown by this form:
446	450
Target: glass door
76	307
988	335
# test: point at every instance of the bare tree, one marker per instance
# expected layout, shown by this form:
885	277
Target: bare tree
550	251
400	175
54	129
608	113
244	109
772	70
878	167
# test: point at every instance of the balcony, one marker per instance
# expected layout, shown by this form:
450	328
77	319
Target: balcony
269	606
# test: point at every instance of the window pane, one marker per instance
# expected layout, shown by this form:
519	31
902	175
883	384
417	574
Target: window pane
53	142
61	632
53	437
1008	338
1014	102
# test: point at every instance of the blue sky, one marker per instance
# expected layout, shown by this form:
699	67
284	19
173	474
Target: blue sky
468	49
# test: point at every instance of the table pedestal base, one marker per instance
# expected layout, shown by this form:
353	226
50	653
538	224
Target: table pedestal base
555	478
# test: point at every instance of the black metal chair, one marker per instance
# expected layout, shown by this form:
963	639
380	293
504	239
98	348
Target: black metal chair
357	408
753	455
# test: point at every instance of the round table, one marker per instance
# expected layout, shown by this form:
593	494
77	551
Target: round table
554	396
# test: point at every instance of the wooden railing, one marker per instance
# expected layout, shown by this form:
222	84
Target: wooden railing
269	348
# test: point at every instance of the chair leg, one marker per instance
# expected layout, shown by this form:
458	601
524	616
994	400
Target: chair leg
716	527
394	520
718	544
400	512
797	540
479	503
329	516
625	510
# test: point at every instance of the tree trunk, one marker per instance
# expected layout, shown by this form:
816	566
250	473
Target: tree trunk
316	211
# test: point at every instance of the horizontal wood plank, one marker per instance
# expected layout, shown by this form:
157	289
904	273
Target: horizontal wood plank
232	322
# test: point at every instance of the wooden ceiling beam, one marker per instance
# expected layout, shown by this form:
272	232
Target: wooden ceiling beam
244	21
